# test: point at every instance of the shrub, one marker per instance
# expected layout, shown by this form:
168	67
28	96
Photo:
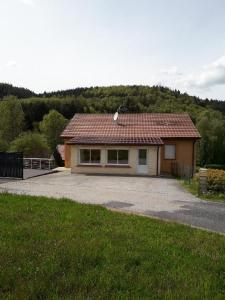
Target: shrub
216	180
32	144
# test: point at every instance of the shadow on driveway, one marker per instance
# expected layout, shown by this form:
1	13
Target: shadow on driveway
30	173
209	215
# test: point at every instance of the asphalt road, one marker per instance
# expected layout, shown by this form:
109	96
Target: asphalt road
157	197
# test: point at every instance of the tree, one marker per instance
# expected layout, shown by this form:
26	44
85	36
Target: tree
8	89
3	145
32	144
211	125
12	118
52	126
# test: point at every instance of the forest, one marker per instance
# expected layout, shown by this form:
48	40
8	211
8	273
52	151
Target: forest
39	114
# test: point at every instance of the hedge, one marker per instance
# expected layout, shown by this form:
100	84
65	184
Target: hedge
215	166
216	180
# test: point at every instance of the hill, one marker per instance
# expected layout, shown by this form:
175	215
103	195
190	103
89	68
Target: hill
20	92
143	98
208	115
108	99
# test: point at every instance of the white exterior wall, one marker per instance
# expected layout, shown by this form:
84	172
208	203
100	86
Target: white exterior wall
103	168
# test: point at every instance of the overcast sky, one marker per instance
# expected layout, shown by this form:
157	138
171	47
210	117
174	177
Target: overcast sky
58	44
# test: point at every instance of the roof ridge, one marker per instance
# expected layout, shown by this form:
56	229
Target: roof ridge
130	113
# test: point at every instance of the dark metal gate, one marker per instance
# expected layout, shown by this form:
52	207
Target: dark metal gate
11	164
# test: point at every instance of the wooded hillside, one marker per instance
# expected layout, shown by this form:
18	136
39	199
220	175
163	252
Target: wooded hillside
208	115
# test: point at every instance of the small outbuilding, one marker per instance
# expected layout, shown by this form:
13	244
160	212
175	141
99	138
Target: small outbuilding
134	144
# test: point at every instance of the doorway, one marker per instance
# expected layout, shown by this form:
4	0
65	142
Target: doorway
142	166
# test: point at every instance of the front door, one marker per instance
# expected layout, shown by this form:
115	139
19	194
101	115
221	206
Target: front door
142	167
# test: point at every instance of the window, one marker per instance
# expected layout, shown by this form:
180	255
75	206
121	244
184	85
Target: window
142	157
112	156
119	157
95	156
84	156
90	156
123	157
170	151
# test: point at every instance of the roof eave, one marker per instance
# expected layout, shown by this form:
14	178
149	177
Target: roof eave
181	137
115	144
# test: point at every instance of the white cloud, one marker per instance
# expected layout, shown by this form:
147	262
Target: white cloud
173	70
27	2
166	76
11	64
209	76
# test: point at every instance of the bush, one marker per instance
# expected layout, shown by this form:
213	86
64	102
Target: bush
215	166
216	180
32	144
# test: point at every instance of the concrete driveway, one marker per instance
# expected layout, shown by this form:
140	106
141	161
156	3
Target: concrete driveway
158	197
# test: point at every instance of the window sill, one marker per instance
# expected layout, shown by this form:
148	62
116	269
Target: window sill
102	166
169	158
89	165
117	166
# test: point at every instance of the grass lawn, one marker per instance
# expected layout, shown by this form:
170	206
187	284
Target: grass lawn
193	187
58	249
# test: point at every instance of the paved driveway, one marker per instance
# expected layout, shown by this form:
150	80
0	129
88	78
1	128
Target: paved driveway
157	197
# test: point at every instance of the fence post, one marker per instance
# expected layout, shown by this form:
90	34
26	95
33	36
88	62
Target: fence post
203	180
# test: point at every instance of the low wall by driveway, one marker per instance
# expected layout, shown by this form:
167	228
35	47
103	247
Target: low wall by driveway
158	197
29	173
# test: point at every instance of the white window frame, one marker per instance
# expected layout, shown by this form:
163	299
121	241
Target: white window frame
90	163
117	164
170	157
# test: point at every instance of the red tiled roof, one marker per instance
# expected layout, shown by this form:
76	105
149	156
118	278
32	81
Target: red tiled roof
114	140
143	128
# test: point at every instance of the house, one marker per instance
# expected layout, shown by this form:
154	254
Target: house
144	143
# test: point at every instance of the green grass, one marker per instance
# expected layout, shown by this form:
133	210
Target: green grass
193	187
57	249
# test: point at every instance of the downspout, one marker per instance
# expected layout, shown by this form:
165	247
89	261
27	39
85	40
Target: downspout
157	172
193	158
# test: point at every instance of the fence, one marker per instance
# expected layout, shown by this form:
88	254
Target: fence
38	163
11	164
181	170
